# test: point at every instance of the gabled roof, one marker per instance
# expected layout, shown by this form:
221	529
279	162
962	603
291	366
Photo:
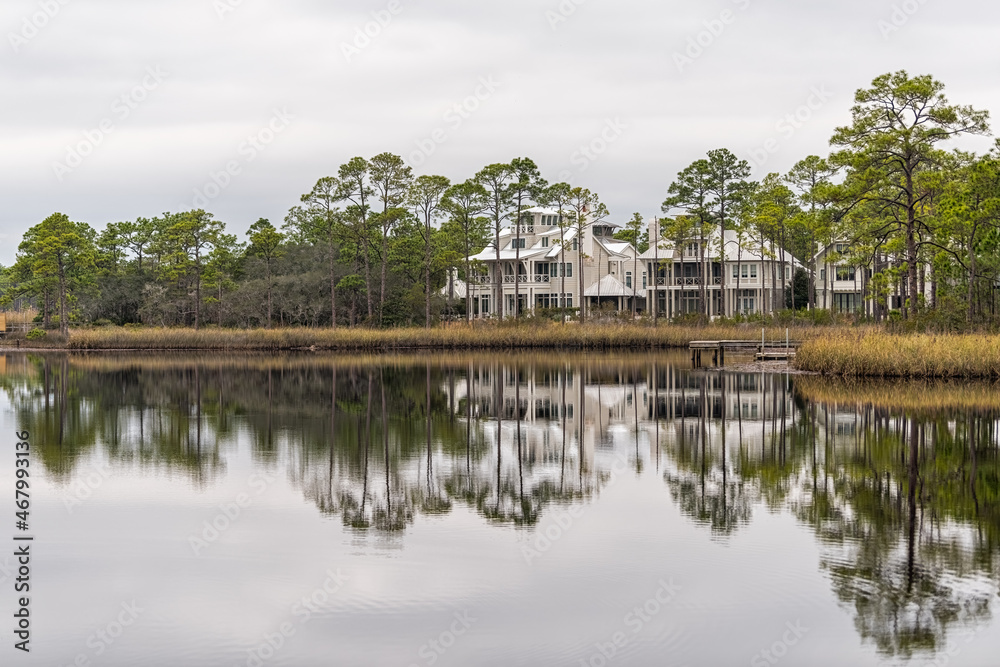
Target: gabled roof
608	286
751	251
619	248
459	286
544	210
507	255
666	251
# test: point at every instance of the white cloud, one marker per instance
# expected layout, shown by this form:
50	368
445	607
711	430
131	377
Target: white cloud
607	60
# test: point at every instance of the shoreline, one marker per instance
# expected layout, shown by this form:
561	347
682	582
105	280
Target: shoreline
839	351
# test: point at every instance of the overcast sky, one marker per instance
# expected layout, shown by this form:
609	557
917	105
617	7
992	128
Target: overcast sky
115	109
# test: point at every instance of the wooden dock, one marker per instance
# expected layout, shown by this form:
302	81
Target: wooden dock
762	350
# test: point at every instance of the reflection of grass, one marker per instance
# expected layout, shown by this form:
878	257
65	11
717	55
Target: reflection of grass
609	364
877	354
529	335
899	394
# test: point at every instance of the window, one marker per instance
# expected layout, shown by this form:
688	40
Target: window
736	271
485	307
847	303
841	247
567	270
745	271
545	241
822	274
753	270
574	244
643	280
845	273
692	249
611	268
788	273
628	279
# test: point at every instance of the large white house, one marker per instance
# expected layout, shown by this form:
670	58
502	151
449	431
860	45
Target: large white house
740	278
544	272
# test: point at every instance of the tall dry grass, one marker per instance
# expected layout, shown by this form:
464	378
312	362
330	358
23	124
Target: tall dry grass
913	395
872	353
21	319
604	336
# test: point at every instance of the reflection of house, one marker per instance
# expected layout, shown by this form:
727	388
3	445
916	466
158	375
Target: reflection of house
744	279
540	263
557	409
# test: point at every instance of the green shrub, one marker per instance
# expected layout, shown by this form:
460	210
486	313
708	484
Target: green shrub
35	334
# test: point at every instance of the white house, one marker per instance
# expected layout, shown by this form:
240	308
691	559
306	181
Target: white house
544	272
738	279
667	278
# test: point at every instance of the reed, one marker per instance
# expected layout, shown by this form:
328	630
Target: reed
873	353
21	318
479	336
918	396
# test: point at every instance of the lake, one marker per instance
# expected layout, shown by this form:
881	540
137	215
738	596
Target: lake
498	509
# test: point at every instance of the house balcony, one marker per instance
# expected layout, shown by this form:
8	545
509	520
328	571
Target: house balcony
694	280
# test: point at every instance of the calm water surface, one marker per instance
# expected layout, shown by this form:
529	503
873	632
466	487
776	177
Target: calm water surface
499	510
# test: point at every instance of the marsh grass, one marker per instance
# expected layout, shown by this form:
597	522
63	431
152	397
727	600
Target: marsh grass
479	336
873	353
21	319
913	395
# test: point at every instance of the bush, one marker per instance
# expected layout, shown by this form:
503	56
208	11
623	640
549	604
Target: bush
35	334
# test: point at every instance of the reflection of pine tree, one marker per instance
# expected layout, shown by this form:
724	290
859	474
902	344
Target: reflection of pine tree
906	508
701	478
895	504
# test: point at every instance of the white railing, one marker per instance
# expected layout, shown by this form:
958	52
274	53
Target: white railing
541	278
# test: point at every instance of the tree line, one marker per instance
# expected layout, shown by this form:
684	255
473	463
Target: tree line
374	244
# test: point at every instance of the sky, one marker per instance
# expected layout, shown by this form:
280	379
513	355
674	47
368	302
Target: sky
118	109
